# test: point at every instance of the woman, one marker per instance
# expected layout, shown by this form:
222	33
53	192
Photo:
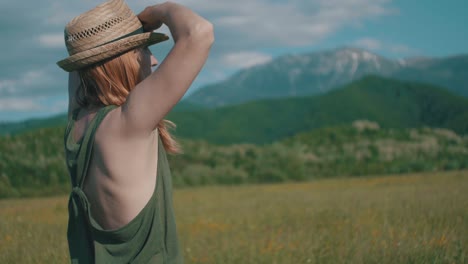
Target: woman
120	207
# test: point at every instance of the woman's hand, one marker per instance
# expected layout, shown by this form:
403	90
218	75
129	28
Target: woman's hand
150	17
181	21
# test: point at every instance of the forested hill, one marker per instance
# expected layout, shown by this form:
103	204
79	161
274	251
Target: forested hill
33	163
391	103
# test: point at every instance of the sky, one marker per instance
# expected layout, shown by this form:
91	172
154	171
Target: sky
247	33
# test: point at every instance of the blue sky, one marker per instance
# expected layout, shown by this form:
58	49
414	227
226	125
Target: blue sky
248	32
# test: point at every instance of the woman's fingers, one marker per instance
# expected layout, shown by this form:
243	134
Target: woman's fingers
149	19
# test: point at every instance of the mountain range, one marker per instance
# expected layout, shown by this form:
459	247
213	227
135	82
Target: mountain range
320	72
390	103
298	93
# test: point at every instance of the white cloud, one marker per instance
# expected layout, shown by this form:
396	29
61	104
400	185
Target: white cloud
399	49
20	104
377	45
245	59
59	106
232	21
33	81
54	40
7	86
250	23
34	104
369	43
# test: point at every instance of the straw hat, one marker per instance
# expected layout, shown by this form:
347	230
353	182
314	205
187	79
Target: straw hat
103	32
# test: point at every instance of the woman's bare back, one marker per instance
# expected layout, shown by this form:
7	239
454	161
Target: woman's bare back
122	172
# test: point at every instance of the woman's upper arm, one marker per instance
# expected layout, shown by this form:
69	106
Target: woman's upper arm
153	98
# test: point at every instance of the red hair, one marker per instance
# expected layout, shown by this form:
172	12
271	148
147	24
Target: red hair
110	83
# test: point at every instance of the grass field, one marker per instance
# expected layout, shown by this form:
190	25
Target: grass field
415	218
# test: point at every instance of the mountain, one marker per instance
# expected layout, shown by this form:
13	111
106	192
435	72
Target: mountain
318	73
390	103
446	72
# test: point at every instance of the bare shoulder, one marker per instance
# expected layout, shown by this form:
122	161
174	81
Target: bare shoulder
112	132
112	127
118	154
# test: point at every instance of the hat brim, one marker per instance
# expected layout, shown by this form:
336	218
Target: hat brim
92	56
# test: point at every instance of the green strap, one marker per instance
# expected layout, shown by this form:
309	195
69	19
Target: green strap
70	123
84	156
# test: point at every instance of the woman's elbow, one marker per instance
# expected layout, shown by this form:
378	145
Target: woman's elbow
204	33
209	33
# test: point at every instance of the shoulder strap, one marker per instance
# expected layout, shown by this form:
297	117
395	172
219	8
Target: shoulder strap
70	122
84	156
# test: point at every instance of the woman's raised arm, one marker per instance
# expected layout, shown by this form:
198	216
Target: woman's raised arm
153	98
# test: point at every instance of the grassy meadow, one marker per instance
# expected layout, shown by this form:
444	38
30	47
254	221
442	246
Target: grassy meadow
411	218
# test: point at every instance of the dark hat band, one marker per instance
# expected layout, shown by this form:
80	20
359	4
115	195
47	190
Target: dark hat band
136	32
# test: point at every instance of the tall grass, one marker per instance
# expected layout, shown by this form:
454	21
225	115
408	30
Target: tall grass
413	218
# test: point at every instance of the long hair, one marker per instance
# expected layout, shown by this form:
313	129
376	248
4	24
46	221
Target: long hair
110	83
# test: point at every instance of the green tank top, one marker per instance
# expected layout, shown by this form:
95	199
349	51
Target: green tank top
150	237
